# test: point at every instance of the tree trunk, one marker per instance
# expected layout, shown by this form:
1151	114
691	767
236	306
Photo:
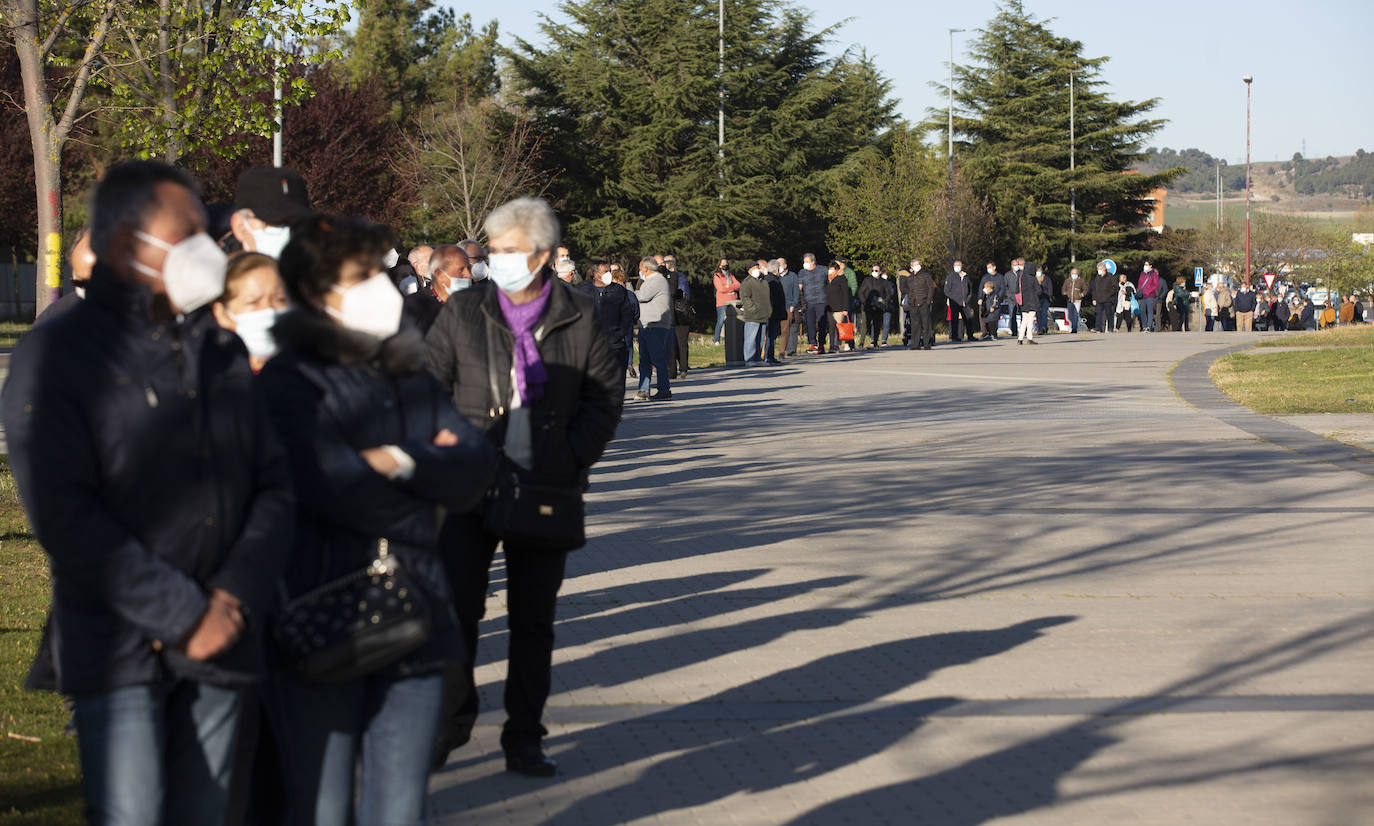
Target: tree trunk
47	170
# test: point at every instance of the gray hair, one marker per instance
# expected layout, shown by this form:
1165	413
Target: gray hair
809	257
531	215
648	263
773	267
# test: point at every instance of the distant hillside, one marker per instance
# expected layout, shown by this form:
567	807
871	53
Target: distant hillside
1347	178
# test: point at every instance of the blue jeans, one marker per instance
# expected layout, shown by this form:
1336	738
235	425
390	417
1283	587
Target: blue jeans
655	345
1147	313
1074	318
753	341
1043	316
323	730
720	322
157	753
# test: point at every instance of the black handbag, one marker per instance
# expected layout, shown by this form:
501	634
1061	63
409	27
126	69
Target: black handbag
354	625
530	517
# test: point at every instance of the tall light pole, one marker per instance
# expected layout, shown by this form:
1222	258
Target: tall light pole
720	122
949	193
1248	79
1073	190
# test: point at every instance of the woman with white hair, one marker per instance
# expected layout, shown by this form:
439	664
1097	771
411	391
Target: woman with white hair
526	362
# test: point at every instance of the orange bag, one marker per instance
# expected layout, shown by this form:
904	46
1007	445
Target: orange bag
845	330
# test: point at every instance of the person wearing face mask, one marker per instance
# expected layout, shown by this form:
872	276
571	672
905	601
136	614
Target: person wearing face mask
1046	285
877	297
448	274
477	259
252	302
755	310
82	260
527	363
266	200
994	278
617	311
919	289
727	290
1103	289
380	455
959	291
1075	289
1011	285
656	333
1028	292
154	480
989	310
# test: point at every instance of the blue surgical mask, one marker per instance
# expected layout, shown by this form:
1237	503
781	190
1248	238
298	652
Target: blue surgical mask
510	270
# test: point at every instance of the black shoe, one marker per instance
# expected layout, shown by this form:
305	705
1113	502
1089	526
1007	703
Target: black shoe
530	761
661	396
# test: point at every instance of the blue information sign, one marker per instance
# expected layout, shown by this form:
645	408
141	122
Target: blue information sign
1197	276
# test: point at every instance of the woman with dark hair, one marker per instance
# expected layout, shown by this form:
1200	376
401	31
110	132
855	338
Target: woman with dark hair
380	457
252	302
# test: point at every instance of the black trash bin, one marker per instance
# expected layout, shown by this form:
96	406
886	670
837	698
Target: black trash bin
734	335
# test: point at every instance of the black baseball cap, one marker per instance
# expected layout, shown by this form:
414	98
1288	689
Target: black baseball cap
277	195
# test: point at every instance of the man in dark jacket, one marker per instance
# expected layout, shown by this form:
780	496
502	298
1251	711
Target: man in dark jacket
777	299
877	295
1244	304
812	282
755	309
989	310
1046	285
449	273
552	430
1103	289
959	291
1028	292
153	480
682	320
920	292
616	312
1011	284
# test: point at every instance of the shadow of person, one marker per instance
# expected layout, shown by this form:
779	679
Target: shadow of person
786	728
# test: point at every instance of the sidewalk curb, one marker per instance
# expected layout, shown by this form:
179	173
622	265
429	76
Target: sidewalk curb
1191	383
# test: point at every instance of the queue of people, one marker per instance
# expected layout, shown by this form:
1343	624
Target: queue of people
270	499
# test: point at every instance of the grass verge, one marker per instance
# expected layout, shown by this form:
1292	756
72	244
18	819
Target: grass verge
39	781
1334	379
11	331
1359	335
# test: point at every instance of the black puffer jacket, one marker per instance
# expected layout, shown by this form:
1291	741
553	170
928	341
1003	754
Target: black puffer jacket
151	475
332	393
617	313
470	350
919	287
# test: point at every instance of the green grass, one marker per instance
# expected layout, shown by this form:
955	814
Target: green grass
38	781
11	331
1330	380
1360	335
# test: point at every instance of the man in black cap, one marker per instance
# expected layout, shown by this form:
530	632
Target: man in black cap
267	200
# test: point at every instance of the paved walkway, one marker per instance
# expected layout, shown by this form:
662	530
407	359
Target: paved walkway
988	582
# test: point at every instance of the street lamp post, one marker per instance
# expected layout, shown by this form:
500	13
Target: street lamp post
950	186
1248	79
1073	190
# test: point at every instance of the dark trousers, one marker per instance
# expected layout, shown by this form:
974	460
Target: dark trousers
990	324
922	333
1013	313
1105	314
961	321
1043	318
816	325
677	363
532	582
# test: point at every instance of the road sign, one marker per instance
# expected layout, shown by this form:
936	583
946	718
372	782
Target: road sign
1269	279
1197	276
1111	265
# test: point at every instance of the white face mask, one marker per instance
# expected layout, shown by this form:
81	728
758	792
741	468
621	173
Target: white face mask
479	271
272	240
1073	275
957	268
255	329
457	285
510	271
372	307
754	273
391	257
193	271
606	279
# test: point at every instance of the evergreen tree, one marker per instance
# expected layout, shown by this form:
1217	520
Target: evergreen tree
1012	133
419	53
626	94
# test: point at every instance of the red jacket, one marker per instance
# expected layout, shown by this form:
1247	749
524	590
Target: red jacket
727	288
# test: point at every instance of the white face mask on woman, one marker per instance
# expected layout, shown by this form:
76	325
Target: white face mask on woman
255	328
510	270
372	307
193	270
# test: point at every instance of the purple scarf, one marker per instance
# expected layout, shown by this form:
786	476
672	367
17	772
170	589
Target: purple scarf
530	374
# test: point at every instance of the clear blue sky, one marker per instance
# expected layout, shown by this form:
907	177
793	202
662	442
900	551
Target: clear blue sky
1312	62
